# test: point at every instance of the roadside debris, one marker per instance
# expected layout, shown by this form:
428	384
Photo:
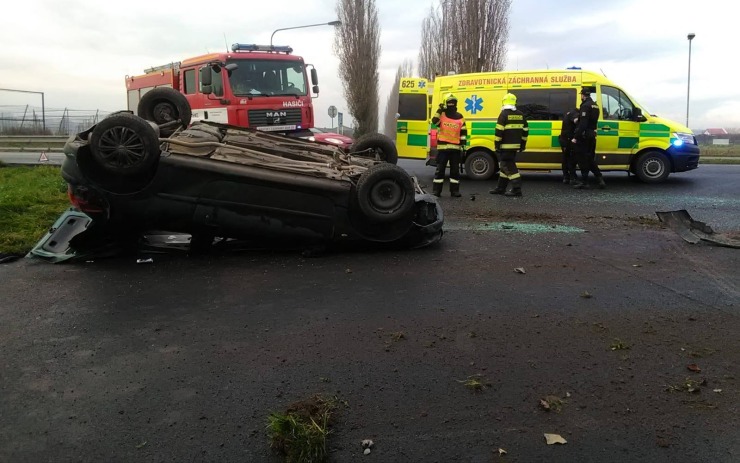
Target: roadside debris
586	295
692	231
553	403
476	383
691	386
553	439
148	260
693	367
618	344
520	270
367	444
502	452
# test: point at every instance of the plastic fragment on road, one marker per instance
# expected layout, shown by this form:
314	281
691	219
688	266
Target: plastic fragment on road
692	231
553	439
520	270
148	260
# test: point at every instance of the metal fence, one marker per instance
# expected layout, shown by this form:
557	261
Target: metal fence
31	120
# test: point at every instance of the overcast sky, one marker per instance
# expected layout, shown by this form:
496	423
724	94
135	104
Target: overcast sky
78	51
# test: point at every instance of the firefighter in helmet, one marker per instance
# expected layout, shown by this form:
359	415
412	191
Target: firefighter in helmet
451	140
511	138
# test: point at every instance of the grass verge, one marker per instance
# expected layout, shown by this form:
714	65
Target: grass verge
301	432
31	199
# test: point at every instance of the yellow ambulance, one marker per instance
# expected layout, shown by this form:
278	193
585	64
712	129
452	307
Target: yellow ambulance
629	138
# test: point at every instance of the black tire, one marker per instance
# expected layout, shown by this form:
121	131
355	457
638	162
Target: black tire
124	144
163	105
384	148
480	165
385	193
652	167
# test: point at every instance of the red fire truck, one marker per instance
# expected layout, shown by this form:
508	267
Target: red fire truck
259	86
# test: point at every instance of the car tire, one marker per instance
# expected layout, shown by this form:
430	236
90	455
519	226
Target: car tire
124	144
385	193
480	165
652	167
163	105
383	146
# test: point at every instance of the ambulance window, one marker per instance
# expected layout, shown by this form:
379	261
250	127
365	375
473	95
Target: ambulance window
615	105
189	81
412	107
545	104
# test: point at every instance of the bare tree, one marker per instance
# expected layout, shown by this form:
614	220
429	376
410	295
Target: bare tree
406	69
357	45
464	36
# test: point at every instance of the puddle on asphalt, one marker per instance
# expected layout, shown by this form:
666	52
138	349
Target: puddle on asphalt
517	227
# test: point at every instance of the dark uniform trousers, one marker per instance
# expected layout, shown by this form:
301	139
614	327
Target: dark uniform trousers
453	156
584	154
507	166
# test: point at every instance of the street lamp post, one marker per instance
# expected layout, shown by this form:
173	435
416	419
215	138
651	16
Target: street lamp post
688	85
331	23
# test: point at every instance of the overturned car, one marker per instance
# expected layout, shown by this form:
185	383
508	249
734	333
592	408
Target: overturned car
128	175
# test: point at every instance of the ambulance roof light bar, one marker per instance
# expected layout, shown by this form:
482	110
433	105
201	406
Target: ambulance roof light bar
254	47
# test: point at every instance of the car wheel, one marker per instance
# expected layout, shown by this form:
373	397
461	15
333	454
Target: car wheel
124	144
385	193
652	167
384	148
165	105
479	165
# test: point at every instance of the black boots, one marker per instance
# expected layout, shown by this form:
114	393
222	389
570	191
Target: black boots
455	190
514	188
600	183
500	187
437	189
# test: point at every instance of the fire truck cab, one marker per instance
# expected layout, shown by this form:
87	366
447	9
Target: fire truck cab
257	86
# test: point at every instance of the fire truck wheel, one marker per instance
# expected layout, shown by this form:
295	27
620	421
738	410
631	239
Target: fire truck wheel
165	105
382	147
124	144
385	193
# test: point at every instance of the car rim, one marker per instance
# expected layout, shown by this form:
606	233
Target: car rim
121	147
164	112
480	166
653	168
386	196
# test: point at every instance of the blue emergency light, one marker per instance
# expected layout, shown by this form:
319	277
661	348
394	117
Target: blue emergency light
255	47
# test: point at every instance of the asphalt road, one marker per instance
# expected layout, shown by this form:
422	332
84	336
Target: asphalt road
184	359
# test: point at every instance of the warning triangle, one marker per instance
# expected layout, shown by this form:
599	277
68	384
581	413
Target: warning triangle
43	157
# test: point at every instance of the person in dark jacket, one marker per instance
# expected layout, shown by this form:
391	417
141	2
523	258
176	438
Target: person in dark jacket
584	140
451	140
566	135
511	138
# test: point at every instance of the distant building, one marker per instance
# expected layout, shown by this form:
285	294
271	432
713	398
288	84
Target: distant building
715	132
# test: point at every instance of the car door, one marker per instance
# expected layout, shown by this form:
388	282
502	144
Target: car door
618	134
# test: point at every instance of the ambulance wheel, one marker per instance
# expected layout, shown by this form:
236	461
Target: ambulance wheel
125	145
165	105
652	167
385	193
382	147
480	165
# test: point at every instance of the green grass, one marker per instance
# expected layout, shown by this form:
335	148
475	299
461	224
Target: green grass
301	432
720	150
31	199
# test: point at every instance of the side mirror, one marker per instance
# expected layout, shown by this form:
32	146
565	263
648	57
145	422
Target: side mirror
206	80
637	115
316	89
314	78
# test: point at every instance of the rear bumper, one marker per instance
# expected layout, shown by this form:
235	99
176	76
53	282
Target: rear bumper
685	157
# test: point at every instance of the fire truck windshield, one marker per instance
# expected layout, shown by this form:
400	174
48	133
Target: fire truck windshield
255	77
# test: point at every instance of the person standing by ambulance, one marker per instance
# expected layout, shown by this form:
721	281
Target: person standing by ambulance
451	140
584	140
511	138
566	135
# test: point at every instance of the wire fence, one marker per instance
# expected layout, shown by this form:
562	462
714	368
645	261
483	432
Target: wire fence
32	120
